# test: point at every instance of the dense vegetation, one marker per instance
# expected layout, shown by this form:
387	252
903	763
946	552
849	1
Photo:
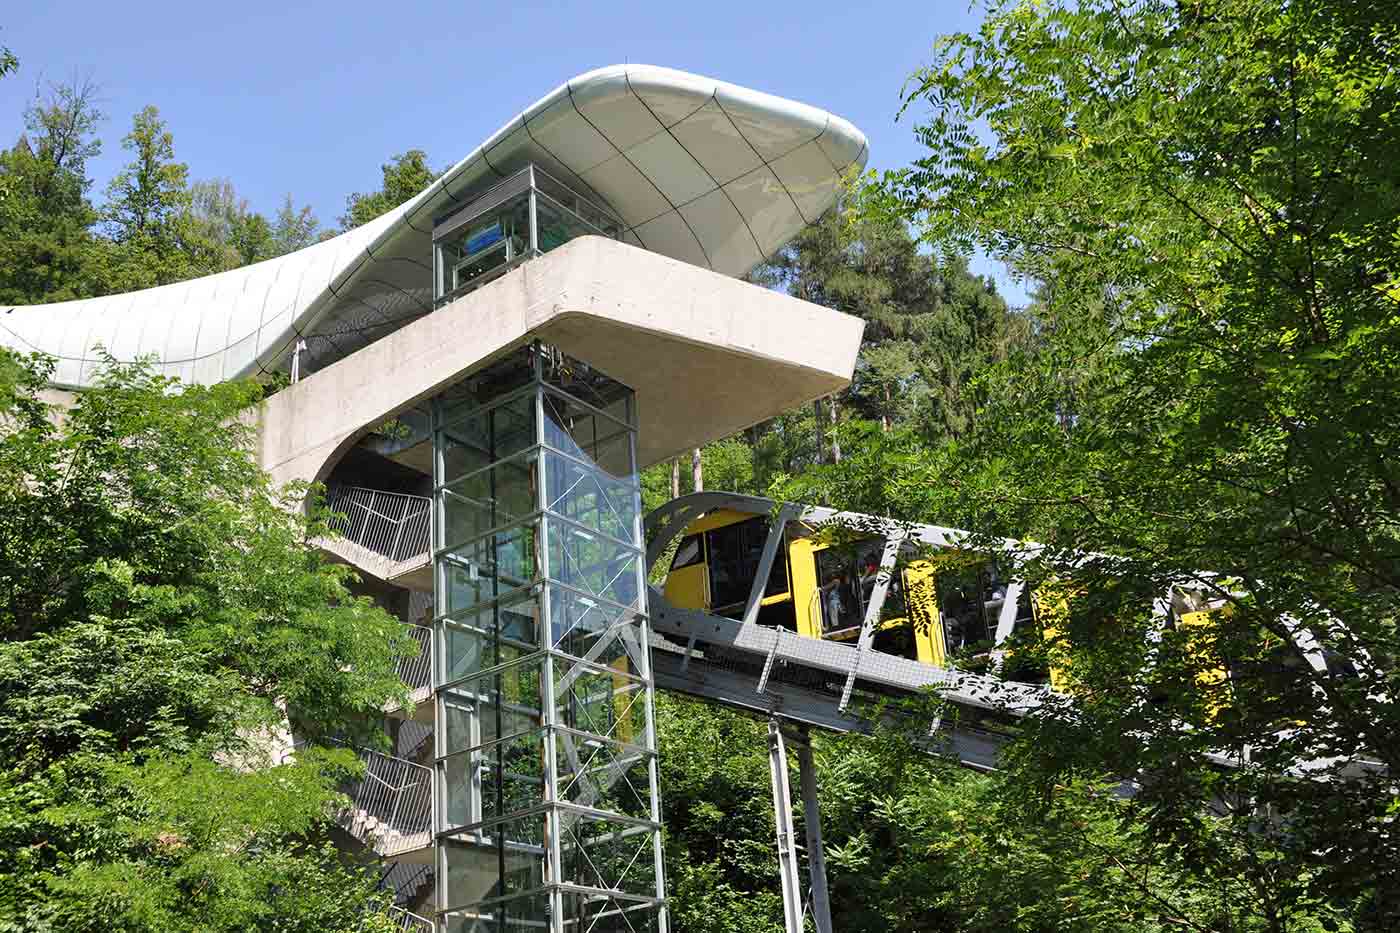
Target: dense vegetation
1205	197
162	616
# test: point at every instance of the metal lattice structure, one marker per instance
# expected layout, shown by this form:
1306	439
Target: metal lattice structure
548	812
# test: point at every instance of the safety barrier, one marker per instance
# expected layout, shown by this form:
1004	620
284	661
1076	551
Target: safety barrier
391	806
417	670
409	922
392	524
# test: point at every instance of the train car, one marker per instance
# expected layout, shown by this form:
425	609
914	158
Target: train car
935	610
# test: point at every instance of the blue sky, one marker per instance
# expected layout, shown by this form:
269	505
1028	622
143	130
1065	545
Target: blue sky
310	98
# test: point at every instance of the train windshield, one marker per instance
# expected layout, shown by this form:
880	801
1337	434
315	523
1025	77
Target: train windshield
735	552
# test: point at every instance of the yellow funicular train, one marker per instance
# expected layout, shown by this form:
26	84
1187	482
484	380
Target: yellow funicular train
945	606
934	610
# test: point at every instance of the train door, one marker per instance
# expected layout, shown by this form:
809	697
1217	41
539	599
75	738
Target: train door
846	578
687	582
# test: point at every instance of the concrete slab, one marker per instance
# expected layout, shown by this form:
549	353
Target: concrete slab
708	355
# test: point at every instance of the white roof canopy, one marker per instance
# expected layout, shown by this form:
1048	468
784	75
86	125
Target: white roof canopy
713	174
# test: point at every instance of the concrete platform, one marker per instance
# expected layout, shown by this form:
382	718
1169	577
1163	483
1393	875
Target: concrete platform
707	354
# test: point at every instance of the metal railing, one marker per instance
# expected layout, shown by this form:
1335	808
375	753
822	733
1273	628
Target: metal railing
417	670
402	919
409	922
393	524
391	805
405	880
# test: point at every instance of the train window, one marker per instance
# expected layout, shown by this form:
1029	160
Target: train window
897	640
735	552
838	593
969	599
688	554
996	586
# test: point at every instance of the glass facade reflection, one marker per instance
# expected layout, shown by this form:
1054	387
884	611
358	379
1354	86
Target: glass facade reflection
548	816
525	215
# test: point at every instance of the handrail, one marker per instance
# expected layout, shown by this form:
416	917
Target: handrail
417	670
390	804
394	798
395	525
409	922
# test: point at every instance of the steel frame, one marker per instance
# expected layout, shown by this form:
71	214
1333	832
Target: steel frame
624	628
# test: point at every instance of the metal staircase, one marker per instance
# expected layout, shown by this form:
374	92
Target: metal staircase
391	808
393	525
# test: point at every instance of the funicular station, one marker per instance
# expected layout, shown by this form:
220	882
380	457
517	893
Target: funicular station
477	378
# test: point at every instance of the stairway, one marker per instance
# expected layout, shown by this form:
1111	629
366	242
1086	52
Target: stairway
391	808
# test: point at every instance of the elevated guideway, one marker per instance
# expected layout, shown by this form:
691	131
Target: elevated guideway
800	681
814	682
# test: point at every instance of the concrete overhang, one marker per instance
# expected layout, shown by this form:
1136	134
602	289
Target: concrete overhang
717	175
707	354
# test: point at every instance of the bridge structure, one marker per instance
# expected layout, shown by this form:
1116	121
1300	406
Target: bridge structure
477	379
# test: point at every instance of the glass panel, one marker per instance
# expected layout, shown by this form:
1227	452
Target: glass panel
487	436
577	431
609	854
963	597
497	634
578	622
493	781
603	775
525	914
501	703
558	226
735	552
493	497
595	565
587	384
481	248
591	497
606	701
483	387
473	862
839	595
688	553
479	571
897	640
601	913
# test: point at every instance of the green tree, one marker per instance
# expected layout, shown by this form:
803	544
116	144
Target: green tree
914	842
46	240
404	176
8	62
930	324
145	197
219	232
1204	188
293	228
146	214
162	620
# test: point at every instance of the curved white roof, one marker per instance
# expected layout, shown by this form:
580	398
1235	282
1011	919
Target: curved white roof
713	174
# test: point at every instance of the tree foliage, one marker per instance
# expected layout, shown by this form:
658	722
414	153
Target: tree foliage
404	176
154	227
1203	190
930	324
46	242
162	620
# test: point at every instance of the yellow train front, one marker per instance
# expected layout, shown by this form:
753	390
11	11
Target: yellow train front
935	611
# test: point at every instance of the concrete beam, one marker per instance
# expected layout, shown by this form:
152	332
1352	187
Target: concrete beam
707	354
